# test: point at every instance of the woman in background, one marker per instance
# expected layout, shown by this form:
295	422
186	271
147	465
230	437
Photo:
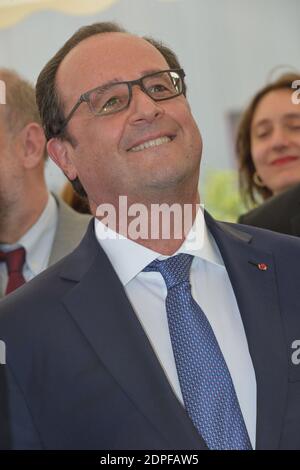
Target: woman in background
268	147
268	141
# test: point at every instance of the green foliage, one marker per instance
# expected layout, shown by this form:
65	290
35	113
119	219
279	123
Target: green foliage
221	195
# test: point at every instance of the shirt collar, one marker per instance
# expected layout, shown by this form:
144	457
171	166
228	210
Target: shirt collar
33	240
130	258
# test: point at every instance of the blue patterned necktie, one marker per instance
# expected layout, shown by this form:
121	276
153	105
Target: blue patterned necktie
206	385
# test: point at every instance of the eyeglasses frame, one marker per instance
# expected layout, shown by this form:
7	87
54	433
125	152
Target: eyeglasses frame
84	98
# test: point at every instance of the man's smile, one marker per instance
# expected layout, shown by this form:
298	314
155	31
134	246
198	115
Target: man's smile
151	143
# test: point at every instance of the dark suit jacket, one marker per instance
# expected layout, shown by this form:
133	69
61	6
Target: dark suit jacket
4	419
280	213
82	373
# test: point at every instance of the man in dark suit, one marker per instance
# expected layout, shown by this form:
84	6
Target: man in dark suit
4	419
32	221
280	213
141	339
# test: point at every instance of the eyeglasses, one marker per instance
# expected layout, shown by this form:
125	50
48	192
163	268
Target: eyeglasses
114	97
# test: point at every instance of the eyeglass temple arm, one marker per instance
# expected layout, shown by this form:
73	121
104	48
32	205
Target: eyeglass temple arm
82	98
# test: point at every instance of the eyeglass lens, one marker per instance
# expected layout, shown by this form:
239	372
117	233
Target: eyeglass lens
159	86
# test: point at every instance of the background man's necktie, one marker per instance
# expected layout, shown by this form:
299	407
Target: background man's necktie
207	388
15	260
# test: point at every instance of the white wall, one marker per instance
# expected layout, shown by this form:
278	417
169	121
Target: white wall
227	48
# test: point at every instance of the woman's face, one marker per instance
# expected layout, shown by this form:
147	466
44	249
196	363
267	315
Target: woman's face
275	140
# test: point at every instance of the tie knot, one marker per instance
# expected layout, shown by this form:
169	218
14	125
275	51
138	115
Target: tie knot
174	270
14	259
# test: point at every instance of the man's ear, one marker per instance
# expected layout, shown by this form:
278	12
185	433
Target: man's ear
59	151
33	142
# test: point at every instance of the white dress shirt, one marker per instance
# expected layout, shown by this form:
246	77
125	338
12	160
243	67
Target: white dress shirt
212	290
37	242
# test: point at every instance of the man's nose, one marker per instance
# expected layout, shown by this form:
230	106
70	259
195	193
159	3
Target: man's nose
144	108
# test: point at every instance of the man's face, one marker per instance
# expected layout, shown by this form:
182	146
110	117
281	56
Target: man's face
10	169
109	156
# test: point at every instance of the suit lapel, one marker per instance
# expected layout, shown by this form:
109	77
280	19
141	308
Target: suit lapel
71	226
100	307
258	302
295	225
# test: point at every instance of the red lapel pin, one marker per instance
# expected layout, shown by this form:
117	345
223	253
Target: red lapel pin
260	266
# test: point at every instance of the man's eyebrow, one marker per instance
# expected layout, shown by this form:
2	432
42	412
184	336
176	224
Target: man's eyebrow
115	80
149	71
106	85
